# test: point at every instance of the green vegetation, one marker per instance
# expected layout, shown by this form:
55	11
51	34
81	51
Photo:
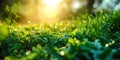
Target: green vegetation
85	37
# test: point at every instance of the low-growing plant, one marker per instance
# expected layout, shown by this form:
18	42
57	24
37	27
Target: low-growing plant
84	38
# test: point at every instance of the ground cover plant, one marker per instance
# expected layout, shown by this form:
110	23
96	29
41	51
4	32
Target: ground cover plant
85	37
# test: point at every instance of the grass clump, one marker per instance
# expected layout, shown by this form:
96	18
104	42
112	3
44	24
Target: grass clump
86	37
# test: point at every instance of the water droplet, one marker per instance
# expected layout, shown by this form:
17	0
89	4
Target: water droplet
62	53
106	45
28	52
113	42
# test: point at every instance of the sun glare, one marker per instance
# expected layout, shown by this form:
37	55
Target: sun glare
50	12
51	2
76	5
51	7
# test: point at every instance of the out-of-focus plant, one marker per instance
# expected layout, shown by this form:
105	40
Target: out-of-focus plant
3	31
87	37
11	13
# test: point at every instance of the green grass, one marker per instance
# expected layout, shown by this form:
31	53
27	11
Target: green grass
86	37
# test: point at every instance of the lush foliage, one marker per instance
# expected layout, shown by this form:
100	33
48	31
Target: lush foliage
85	37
